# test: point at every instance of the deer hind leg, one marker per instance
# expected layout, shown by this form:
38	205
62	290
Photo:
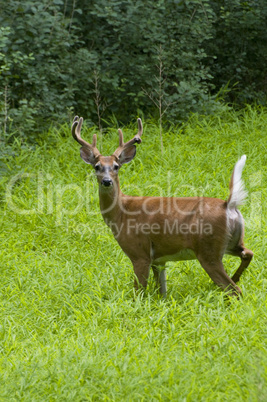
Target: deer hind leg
246	256
219	276
160	278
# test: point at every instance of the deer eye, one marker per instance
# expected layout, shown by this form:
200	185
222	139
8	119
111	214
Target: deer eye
97	168
116	167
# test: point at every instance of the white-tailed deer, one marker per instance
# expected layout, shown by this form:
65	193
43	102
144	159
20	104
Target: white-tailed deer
154	230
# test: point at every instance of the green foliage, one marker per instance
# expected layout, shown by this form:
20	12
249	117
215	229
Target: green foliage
126	40
37	66
52	51
239	43
11	64
69	327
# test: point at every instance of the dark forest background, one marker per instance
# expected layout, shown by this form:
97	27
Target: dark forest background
113	60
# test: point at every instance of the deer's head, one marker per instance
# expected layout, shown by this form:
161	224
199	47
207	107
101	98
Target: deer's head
106	167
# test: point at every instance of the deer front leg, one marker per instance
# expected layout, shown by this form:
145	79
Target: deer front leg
160	278
141	270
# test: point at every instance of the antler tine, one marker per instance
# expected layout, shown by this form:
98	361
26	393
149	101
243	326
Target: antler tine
76	133
76	128
94	141
140	127
121	143
134	140
137	138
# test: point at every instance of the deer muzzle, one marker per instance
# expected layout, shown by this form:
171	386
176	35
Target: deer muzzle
106	182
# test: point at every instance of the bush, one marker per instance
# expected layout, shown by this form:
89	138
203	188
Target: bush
102	59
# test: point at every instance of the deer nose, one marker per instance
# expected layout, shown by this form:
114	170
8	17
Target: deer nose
106	182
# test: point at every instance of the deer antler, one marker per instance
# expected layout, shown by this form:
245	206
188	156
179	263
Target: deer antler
137	139
76	133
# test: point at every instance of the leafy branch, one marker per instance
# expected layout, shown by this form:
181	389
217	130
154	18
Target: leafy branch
158	94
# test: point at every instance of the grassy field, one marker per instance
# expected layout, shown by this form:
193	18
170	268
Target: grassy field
70	329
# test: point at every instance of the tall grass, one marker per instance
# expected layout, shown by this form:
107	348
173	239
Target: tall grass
70	329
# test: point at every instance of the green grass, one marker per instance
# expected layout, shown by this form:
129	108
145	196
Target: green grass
70	329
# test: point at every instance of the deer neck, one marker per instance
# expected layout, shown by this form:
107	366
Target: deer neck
110	202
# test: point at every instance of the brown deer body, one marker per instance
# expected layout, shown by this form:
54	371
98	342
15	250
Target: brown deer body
154	230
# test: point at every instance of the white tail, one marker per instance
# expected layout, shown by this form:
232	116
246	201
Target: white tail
154	230
237	189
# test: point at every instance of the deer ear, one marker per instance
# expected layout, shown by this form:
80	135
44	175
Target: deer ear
87	155
127	154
